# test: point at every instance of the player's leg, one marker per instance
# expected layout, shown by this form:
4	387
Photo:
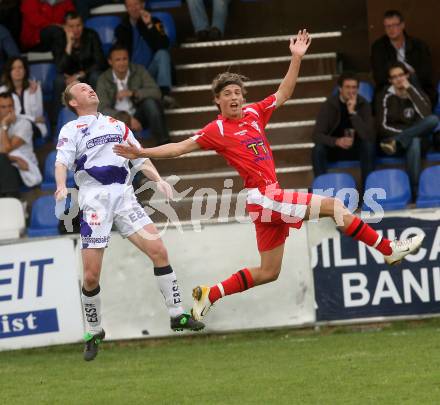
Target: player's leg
353	226
95	226
91	300
149	242
268	271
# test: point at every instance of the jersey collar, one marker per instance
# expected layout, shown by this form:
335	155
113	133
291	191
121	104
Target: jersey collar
88	119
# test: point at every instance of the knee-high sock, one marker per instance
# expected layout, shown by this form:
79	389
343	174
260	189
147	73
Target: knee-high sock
167	281
91	301
238	282
359	230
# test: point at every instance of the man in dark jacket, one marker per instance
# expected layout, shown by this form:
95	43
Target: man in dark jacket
397	45
404	116
148	44
129	87
344	129
78	56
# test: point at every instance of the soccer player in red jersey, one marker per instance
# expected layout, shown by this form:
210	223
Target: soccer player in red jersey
238	135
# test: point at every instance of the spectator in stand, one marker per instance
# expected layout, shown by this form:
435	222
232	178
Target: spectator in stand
17	158
78	56
27	94
8	47
42	23
129	87
397	45
203	30
344	129
404	116
144	34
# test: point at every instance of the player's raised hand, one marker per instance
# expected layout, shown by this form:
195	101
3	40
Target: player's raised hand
127	150
165	188
299	46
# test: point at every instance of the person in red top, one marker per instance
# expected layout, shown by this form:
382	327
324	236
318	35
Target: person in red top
40	20
238	135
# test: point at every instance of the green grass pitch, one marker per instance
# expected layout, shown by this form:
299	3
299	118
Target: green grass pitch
377	364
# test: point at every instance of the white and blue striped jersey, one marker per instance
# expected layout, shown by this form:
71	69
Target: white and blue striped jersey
85	145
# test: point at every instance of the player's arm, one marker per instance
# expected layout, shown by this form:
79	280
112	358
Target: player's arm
60	179
150	171
298	48
170	150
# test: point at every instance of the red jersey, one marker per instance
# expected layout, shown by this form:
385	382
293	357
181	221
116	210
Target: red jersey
243	143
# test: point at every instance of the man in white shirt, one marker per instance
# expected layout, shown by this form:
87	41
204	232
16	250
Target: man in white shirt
106	197
16	150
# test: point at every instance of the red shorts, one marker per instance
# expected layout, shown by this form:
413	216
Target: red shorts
274	211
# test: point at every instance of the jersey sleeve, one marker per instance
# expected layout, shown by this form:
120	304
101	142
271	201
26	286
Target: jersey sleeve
263	109
66	147
211	136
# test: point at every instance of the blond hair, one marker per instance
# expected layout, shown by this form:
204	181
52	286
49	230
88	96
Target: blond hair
67	96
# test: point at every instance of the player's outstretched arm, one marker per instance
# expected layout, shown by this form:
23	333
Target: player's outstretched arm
170	150
298	48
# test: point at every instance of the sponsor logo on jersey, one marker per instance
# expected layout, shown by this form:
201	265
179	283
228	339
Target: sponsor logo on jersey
103	139
85	131
94	219
256	126
61	142
243	132
98	239
81	125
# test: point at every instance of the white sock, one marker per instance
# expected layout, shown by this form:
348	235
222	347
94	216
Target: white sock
167	280
92	309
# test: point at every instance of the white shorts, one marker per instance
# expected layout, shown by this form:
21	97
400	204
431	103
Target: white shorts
101	207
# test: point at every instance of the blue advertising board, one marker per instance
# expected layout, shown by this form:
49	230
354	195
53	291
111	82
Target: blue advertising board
353	281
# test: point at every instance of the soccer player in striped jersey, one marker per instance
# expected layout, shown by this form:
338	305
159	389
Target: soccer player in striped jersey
106	196
238	135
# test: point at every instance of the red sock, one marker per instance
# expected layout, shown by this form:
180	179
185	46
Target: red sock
359	230
238	282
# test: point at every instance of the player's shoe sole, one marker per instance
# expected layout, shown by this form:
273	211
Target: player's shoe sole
201	302
404	248
91	346
186	321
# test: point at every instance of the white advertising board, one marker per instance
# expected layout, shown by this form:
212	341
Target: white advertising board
133	307
39	294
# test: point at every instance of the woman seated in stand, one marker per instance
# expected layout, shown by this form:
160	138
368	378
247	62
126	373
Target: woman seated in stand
27	94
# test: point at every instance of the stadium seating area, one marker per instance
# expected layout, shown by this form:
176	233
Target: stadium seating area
195	65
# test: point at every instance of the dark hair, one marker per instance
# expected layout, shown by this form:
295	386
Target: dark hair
6	94
71	15
347	76
117	47
6	77
225	79
67	96
393	13
396	65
